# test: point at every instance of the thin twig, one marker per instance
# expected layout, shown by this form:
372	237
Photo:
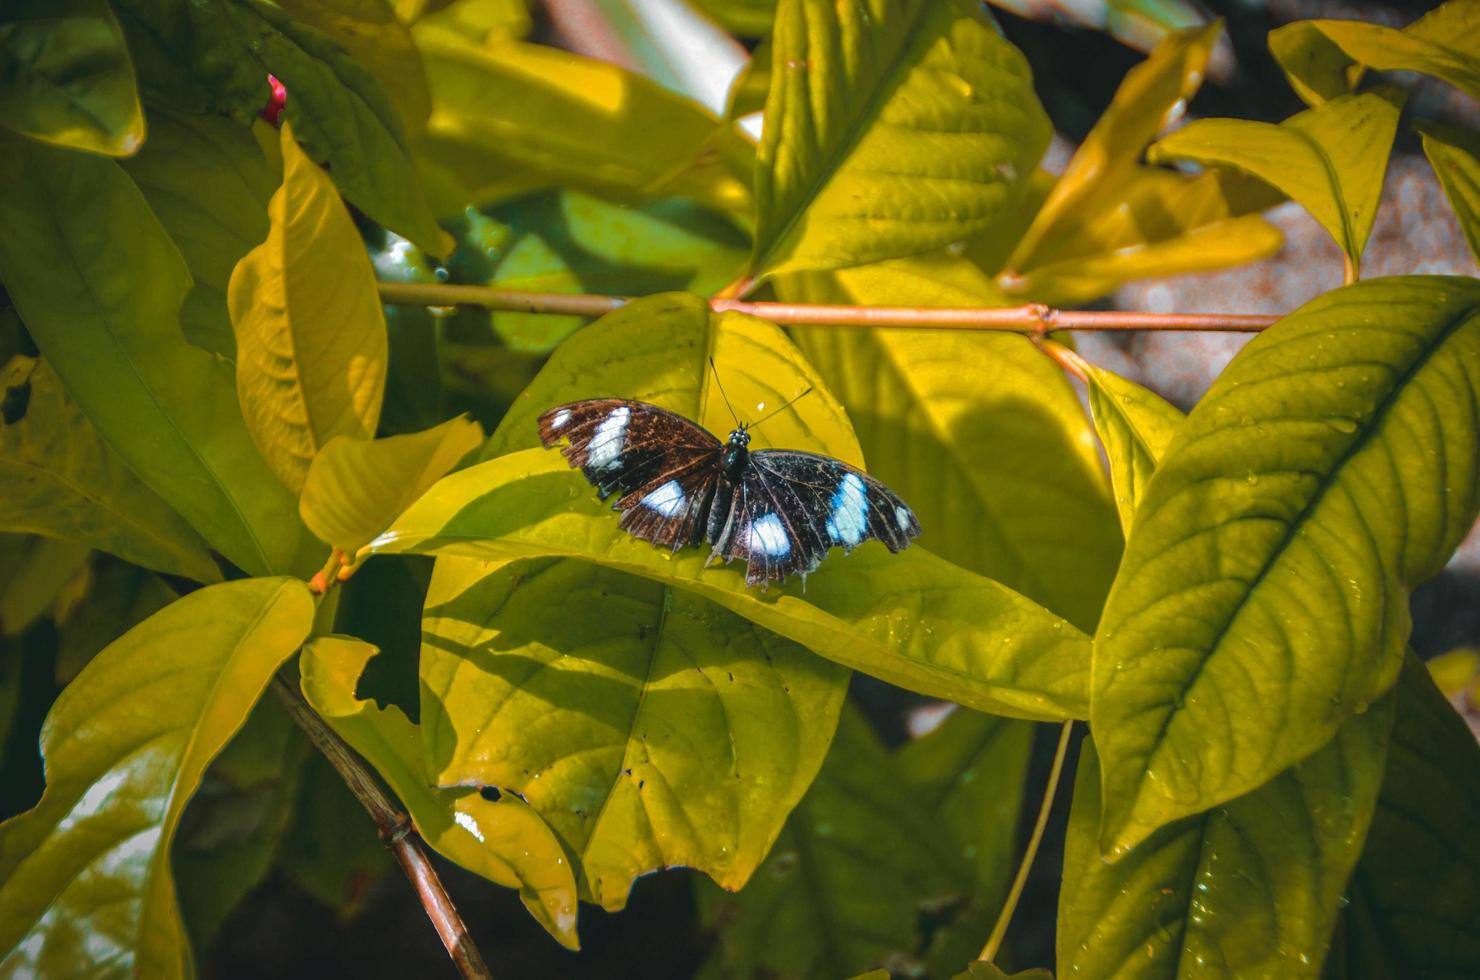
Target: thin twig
395	829
994	941
1032	318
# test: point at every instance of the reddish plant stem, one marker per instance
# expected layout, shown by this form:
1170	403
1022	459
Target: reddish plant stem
395	829
1032	318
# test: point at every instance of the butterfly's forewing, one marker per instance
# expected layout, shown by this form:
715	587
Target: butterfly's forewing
664	466
792	507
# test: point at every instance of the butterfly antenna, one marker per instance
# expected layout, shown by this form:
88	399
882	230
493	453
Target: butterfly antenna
720	385
783	407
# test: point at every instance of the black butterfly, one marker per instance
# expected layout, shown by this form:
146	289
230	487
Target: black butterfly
779	509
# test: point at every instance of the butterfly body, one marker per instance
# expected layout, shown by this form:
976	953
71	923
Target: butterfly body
780	510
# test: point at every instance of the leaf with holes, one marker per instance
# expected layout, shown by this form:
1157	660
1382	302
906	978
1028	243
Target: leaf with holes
311	344
1263	595
892	127
1330	159
125	746
911	618
98	283
503	840
66	77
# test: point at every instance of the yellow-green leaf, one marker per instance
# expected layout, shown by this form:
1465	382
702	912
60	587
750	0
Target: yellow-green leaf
87	885
310	332
37	573
98	283
1248	889
1002	472
892	127
1454	153
59	478
66	77
1135	427
545	116
1263	597
503	840
372	34
653	730
912	618
356	487
1331	159
1323	59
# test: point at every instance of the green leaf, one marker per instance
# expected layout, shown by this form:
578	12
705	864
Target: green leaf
310	335
36	573
1250	888
1263	597
217	56
208	181
1135	427
356	487
370	32
1454	153
87	885
862	861
232	829
970	771
59	478
1323	59
748	91
1416	892
892	127
551	117
332	850
66	77
1330	159
652	731
119	597
748	18
99	285
1003	472
503	840
912	619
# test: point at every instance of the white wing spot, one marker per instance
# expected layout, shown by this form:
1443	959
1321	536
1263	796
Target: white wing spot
849	520
667	500
561	417
611	435
768	536
902	518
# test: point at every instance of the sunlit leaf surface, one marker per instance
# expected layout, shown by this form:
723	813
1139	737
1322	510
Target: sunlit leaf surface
87	884
892	127
1135	427
1263	595
1454	153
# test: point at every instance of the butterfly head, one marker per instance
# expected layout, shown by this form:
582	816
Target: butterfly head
740	437
736	454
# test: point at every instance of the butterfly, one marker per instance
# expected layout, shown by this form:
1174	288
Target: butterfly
781	510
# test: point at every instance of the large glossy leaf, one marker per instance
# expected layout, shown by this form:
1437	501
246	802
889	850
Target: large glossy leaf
208	181
1135	427
1002	472
59	478
542	116
217	56
1263	594
66	78
653	730
892	127
1416	893
912	618
862	864
310	333
1454	153
970	771
355	487
1324	58
372	34
87	885
99	284
1331	159
1250	888
1110	219
503	840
